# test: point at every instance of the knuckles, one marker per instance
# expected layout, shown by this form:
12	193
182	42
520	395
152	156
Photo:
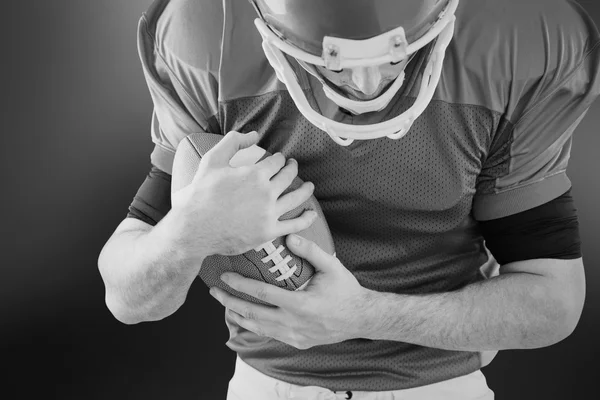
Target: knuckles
292	167
278	159
249	314
234	135
261	175
261	294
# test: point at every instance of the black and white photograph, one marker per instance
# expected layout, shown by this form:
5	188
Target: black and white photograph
301	200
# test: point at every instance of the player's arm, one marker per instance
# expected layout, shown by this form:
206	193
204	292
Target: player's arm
527	219
519	309
146	271
523	204
536	300
143	269
538	297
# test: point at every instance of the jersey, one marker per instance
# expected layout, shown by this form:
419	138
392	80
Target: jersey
518	77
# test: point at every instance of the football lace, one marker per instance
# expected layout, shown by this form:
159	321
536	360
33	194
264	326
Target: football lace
281	264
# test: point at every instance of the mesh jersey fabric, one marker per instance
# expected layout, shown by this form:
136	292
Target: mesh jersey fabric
547	231
518	78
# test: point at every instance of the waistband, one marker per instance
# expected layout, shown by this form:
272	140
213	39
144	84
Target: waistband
467	387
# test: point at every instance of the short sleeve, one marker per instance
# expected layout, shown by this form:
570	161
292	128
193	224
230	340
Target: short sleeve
527	162
184	94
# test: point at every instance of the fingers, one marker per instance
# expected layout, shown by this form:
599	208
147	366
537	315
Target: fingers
233	142
272	164
295	198
296	225
285	176
310	251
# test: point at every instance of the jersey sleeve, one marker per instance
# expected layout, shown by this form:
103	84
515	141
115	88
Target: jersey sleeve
183	84
527	161
153	199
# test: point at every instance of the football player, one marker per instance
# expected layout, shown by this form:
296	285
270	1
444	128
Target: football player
436	136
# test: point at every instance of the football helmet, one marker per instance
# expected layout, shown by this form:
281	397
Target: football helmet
338	34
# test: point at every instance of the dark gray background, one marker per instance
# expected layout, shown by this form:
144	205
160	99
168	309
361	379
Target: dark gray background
76	145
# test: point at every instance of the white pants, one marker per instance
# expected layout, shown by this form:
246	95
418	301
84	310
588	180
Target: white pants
249	384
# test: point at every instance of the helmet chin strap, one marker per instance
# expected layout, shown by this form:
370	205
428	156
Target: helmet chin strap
357	106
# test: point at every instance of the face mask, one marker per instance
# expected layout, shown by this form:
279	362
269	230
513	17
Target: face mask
359	106
336	53
351	81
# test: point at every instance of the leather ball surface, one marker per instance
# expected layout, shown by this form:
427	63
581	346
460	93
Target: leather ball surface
271	262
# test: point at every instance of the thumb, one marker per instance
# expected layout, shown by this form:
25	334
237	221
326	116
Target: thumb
311	252
233	142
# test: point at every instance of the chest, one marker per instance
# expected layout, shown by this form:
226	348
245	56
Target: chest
432	169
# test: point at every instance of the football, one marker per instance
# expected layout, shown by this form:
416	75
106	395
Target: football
271	262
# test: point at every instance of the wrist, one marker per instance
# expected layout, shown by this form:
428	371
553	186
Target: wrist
374	316
184	247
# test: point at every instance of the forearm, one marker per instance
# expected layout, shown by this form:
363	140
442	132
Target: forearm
147	275
510	311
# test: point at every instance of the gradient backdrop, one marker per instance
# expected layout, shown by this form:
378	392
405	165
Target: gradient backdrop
76	147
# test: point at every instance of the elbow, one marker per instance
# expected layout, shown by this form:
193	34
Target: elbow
114	301
573	309
143	312
133	294
563	321
557	301
572	304
121	313
562	329
130	314
114	304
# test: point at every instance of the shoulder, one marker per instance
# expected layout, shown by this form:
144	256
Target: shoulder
188	30
501	49
541	34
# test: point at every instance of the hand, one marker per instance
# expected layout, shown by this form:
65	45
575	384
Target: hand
233	210
332	308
